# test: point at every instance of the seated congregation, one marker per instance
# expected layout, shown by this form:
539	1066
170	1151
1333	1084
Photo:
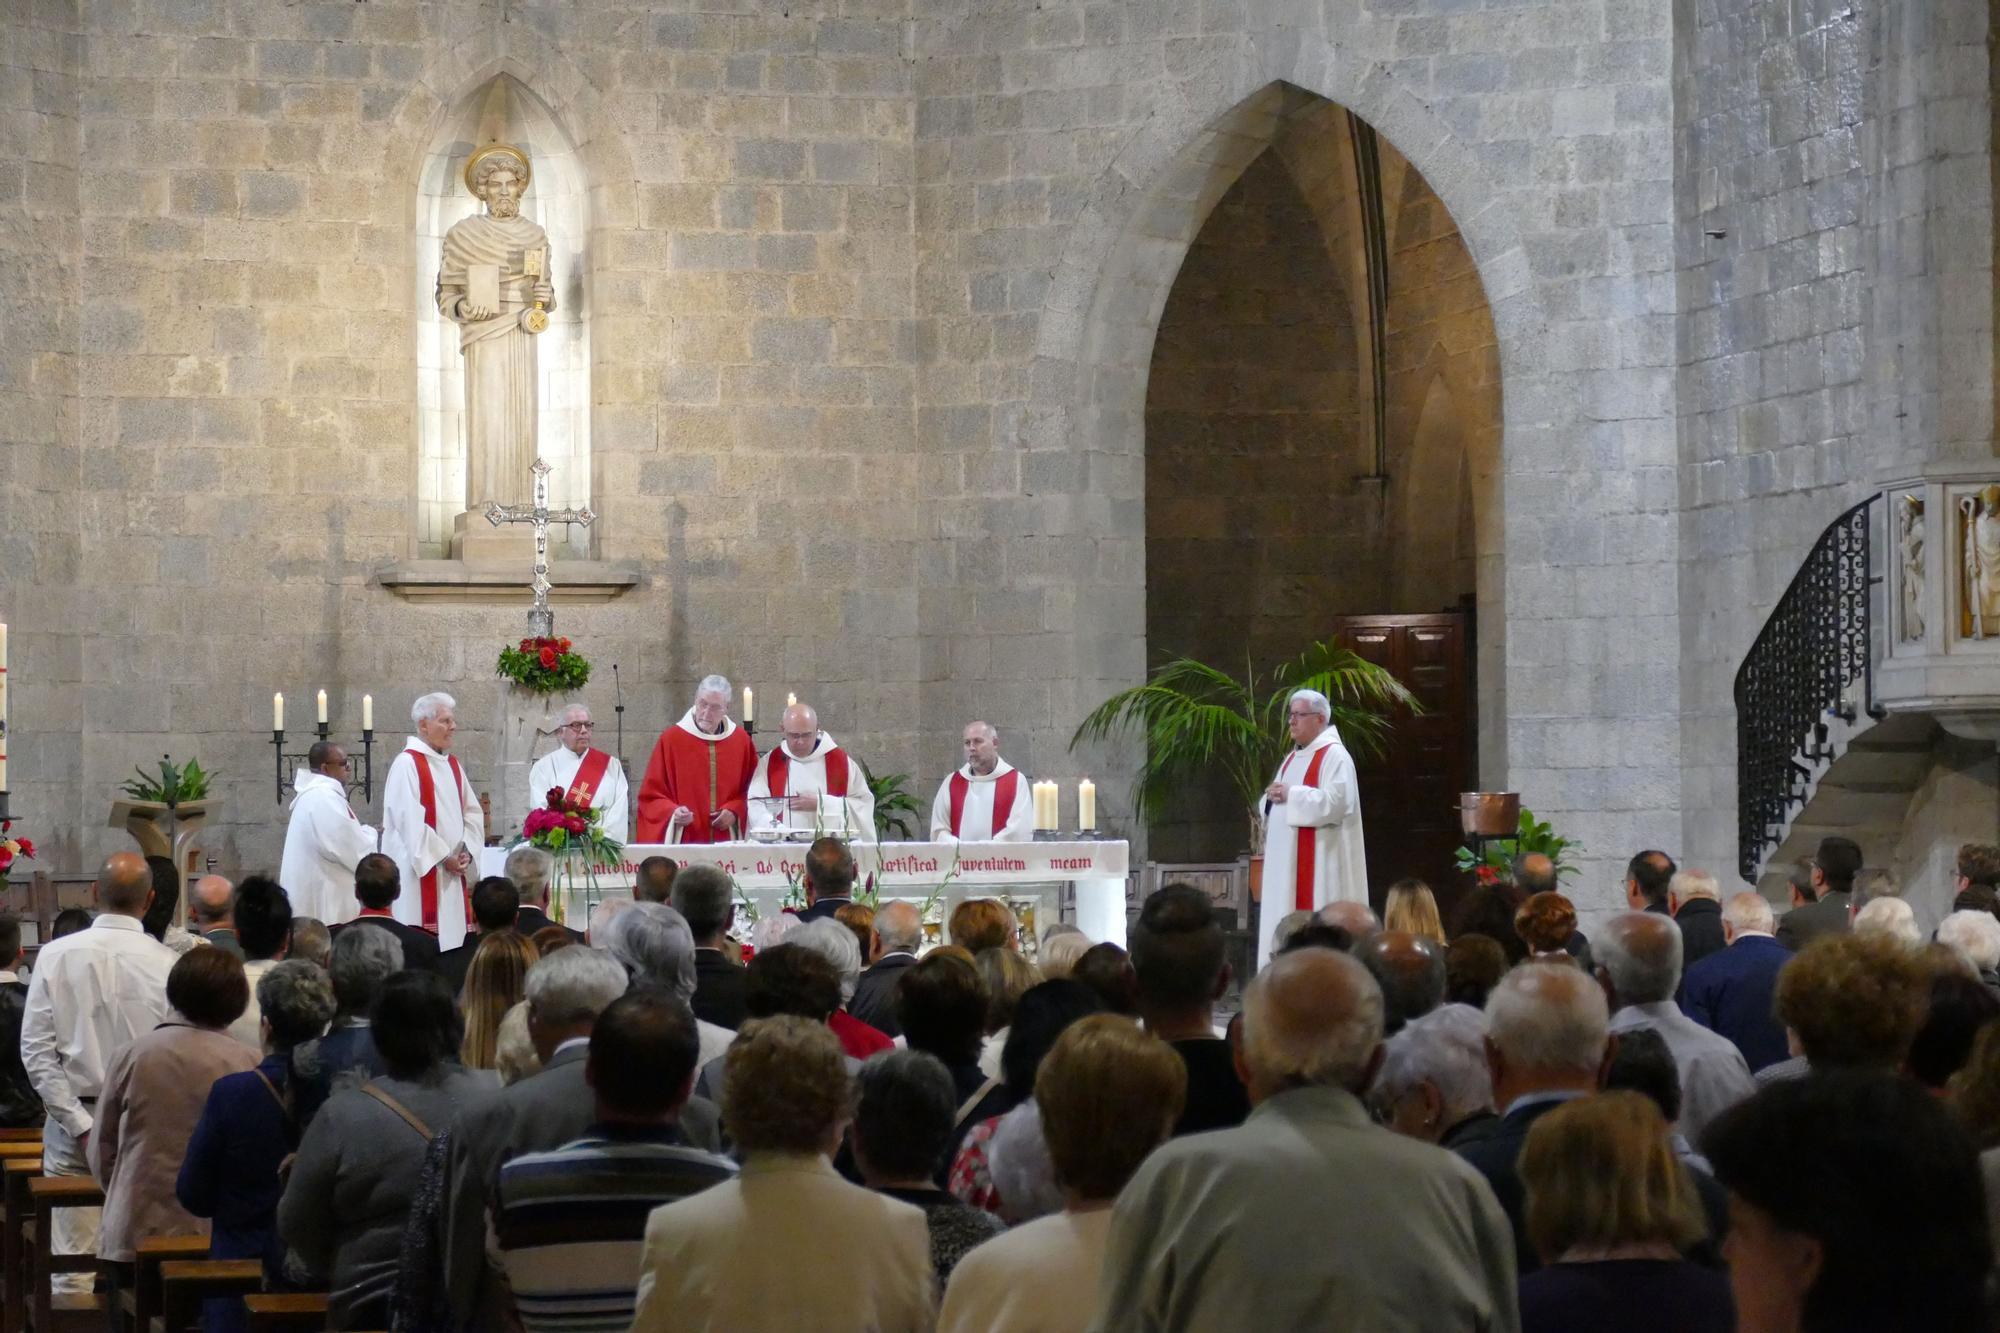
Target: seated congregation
1694	1119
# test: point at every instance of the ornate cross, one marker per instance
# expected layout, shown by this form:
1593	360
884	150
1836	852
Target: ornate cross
541	620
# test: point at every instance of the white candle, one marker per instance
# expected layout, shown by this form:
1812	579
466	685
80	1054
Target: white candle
277	712
368	712
791	700
749	705
322	706
1086	806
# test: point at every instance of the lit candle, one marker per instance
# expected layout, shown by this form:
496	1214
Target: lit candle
322	707
749	705
791	700
1086	806
368	712
277	712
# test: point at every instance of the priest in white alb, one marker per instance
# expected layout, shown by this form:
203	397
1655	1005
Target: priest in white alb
432	826
986	800
1312	822
821	788
324	840
583	772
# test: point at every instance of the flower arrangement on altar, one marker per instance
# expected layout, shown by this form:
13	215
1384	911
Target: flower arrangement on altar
573	833
12	849
544	666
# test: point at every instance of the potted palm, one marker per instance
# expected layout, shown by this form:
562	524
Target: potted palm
1198	719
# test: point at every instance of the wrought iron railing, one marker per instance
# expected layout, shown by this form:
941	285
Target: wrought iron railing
1813	661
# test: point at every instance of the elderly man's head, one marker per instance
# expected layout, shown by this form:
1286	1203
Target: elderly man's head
1890	916
1547	1029
1639	957
1535	873
706	899
1647	877
829	870
529	869
654	943
899	925
1312	1017
364	956
566	991
1975	936
1687	885
577	729
1434	1074
799	725
1307	714
1409	969
837	945
1748	913
212	900
435	717
711	703
1357	919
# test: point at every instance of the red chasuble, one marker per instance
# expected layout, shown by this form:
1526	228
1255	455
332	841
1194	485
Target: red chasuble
704	775
589	777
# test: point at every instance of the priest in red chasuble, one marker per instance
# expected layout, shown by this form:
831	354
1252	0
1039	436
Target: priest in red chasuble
694	785
583	773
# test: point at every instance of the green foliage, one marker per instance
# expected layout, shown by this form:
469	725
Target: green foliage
544	666
1533	836
895	808
175	786
1196	719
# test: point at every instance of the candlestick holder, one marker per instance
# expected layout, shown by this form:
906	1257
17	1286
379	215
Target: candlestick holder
301	758
3	804
1050	835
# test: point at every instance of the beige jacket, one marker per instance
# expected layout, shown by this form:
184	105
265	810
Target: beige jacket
152	1098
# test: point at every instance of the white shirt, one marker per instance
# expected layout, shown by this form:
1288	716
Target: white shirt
249	1029
92	994
558	768
324	842
1714	1075
976	819
1041	1277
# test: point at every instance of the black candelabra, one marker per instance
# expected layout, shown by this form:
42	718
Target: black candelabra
302	757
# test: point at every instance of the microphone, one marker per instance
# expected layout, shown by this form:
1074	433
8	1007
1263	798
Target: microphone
618	693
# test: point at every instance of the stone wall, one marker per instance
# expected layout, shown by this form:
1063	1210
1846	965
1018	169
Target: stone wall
875	285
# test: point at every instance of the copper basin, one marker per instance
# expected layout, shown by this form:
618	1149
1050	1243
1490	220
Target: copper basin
1489	814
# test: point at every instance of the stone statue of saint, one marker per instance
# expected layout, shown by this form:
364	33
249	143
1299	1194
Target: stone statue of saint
494	283
1910	536
1982	559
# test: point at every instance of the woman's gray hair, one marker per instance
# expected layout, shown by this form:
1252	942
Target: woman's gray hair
528	868
1446	1048
425	709
1320	703
364	956
1061	947
297	1001
1975	935
574	985
597	929
835	943
721	683
513	1049
654	943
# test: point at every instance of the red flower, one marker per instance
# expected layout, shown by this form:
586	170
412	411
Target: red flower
555	798
1486	875
27	848
6	858
527	645
574	823
548	659
563	644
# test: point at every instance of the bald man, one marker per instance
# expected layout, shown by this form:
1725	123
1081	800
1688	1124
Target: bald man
1255	1226
93	994
212	904
1409	969
808	783
987	799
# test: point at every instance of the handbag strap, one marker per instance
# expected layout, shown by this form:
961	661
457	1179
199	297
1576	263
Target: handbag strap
978	1095
408	1117
276	1096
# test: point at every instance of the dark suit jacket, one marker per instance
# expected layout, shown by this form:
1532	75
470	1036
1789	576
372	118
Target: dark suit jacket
230	1172
531	919
718	989
1700	920
20	1104
824	907
543	1111
453	964
320	1063
1802	925
420	947
1730	993
874	1001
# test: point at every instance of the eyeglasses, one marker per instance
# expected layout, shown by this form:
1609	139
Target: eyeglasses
579	726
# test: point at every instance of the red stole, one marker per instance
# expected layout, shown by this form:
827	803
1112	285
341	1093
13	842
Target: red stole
427	793
589	777
1003	798
1305	864
836	772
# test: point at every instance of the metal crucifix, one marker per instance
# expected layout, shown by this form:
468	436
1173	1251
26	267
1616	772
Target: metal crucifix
541	620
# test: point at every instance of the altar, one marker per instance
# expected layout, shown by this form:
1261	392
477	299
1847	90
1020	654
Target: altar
1094	870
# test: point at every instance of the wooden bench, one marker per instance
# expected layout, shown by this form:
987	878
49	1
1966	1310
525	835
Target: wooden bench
49	1195
15	1215
287	1312
186	1283
33	1136
141	1303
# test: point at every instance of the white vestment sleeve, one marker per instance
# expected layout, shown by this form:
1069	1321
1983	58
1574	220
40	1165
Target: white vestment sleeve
474	823
340	837
860	812
541	777
760	790
941	814
616	803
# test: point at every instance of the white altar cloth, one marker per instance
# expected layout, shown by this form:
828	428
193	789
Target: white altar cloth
765	871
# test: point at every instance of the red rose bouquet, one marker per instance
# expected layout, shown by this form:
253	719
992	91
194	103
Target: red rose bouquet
12	849
573	833
544	666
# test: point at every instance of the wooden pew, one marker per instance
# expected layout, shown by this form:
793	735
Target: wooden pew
50	1195
15	1278
186	1283
141	1303
287	1312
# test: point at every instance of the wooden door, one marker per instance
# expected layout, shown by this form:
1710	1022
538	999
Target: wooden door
1409	794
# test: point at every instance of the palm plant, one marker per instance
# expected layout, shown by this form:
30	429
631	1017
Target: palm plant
1198	720
894	806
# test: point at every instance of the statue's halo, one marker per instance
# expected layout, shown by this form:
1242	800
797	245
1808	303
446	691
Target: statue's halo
498	150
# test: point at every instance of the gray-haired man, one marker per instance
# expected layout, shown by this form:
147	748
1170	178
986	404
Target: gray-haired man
699	773
583	773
